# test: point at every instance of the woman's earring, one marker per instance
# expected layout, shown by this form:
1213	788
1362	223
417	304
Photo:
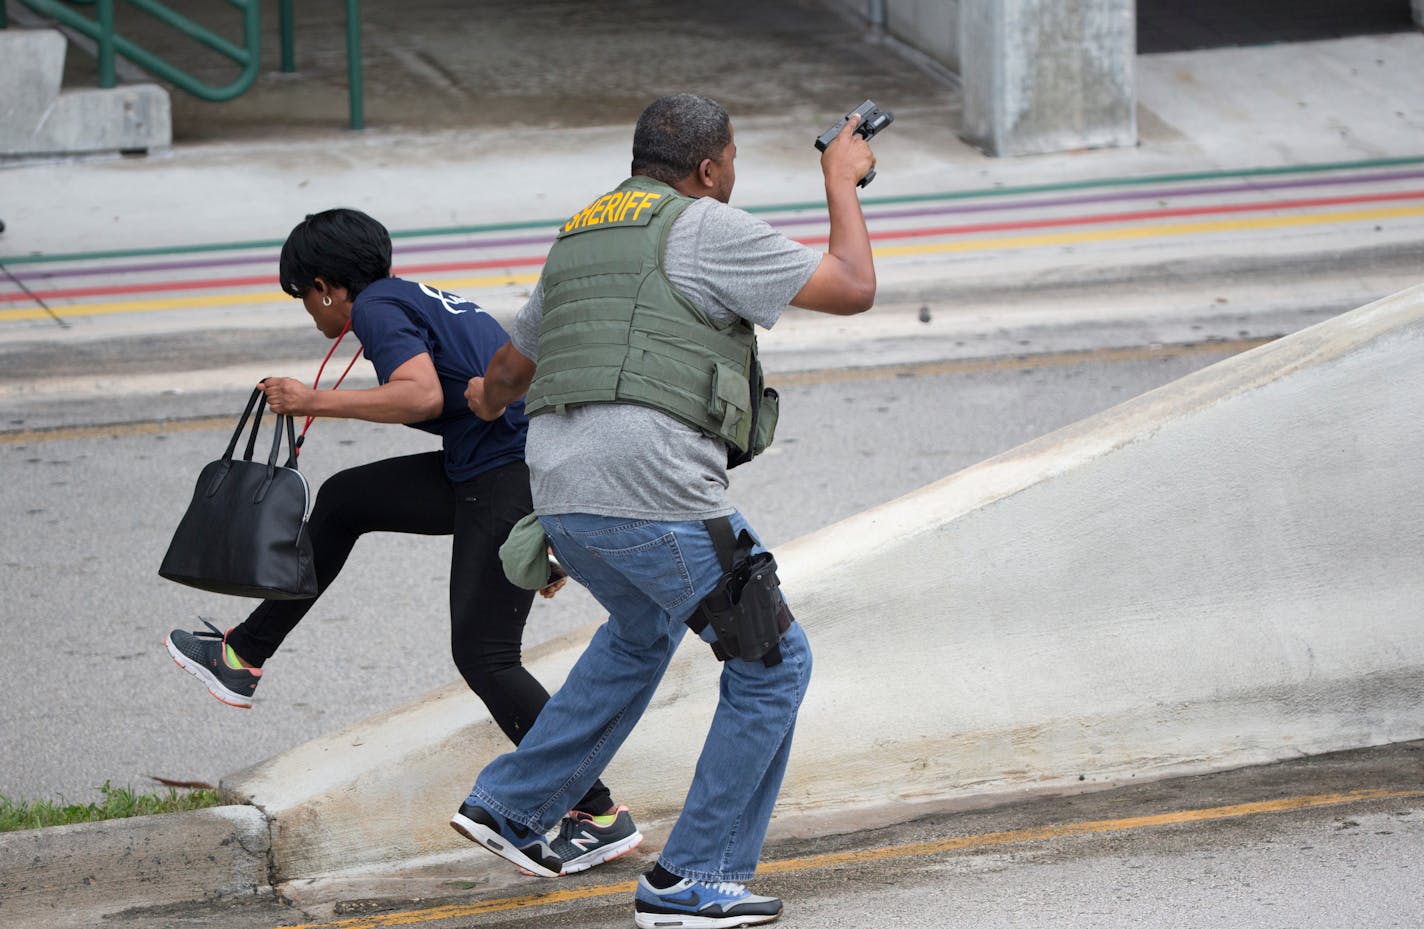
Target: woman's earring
326	300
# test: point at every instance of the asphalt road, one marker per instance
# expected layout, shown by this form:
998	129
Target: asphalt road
93	489
94	698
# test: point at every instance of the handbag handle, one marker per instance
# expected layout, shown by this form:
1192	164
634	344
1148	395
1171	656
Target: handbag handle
256	426
276	450
242	423
259	400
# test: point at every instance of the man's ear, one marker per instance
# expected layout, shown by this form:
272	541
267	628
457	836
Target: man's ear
704	174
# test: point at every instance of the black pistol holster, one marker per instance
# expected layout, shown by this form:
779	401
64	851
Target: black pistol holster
745	609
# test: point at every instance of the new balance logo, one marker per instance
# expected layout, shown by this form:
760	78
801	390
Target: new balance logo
585	841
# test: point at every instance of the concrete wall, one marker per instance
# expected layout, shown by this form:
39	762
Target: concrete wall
1419	12
1048	75
1221	572
1038	75
930	26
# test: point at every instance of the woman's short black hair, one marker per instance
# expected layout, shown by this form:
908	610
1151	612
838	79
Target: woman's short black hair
675	133
345	248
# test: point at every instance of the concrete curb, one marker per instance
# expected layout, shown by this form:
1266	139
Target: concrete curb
74	875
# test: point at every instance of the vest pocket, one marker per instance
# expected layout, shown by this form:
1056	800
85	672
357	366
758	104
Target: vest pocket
730	399
766	420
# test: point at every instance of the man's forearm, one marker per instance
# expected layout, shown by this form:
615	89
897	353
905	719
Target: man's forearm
849	239
507	377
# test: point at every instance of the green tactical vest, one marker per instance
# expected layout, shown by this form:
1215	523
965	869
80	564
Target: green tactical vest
615	330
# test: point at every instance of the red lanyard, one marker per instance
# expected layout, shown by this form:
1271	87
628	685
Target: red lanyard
344	329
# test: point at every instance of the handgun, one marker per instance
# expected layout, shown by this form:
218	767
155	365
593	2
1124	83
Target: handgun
872	120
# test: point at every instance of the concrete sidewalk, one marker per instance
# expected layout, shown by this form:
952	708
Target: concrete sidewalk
1342	101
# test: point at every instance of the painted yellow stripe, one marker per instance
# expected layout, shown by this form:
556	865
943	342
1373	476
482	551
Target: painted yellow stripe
1160	230
1123	233
914	850
210	301
788	379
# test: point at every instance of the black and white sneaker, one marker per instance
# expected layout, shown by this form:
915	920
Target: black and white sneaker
204	655
583	843
529	851
690	904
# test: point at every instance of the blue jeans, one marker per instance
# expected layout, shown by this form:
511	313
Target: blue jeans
650	576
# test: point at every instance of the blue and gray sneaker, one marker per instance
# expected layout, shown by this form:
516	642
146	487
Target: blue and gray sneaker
509	840
584	841
692	904
206	656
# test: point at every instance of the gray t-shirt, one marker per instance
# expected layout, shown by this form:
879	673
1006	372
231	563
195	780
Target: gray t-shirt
615	459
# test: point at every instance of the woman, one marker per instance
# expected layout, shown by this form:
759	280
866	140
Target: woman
425	346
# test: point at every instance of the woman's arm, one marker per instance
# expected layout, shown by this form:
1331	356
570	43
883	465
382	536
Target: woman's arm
412	394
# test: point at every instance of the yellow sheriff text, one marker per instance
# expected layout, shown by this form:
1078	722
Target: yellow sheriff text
621	206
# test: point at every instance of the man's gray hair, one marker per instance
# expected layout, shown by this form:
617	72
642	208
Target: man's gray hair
675	133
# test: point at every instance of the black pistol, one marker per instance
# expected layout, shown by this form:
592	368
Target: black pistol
872	120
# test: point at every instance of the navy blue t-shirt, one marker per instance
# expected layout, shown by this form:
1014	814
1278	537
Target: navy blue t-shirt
397	320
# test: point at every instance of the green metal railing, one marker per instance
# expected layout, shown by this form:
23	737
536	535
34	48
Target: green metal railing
101	29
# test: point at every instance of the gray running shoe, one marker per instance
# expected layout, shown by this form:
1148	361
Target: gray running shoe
583	843
201	654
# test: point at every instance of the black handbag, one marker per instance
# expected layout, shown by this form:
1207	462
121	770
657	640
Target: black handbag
245	532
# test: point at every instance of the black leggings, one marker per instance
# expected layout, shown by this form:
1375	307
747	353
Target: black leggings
487	613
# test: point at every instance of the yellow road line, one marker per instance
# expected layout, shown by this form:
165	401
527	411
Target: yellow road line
1160	230
118	430
210	301
913	850
794	378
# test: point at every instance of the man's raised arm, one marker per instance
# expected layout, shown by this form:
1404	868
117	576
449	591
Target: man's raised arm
844	282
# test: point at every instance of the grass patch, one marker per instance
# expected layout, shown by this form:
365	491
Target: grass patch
118	803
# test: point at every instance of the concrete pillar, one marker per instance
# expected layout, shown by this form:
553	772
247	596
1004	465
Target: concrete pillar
1419	13
38	117
1048	75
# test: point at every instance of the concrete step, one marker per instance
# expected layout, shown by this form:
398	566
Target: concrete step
39	118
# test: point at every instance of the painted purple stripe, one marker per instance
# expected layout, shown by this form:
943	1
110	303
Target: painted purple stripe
945	210
1245	187
268	259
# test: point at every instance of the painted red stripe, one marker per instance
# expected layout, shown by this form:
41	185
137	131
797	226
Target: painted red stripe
1105	218
891	235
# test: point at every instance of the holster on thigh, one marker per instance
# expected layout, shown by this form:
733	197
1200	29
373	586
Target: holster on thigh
745	610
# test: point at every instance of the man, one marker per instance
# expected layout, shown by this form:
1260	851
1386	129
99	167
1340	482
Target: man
637	352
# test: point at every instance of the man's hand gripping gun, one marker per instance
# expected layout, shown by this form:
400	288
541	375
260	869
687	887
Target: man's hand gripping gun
872	120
